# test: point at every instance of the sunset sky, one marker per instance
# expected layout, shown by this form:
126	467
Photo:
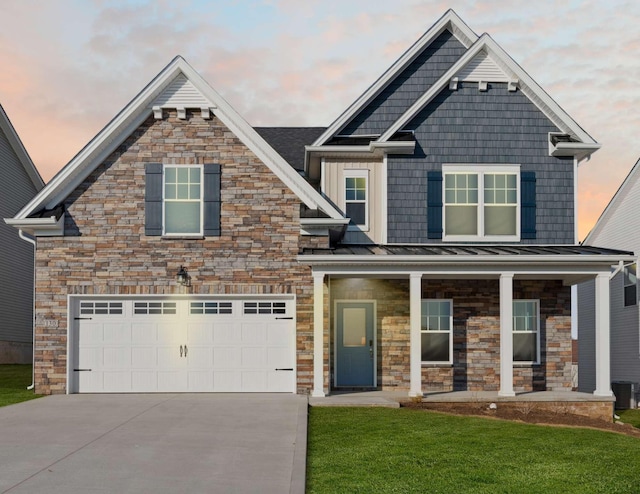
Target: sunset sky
68	66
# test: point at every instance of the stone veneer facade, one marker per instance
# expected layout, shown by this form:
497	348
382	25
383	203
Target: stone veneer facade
105	249
476	333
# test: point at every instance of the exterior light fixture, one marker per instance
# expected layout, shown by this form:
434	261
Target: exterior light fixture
182	278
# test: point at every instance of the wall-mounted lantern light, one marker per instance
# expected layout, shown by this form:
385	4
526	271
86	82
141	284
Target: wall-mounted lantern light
183	278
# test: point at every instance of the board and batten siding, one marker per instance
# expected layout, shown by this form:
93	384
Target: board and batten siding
468	126
16	255
335	170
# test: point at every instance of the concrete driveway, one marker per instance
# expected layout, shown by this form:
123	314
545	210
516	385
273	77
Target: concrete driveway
177	443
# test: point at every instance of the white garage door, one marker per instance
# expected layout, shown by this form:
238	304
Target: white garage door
170	345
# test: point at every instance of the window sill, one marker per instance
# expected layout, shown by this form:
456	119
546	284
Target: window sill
526	364
182	237
436	364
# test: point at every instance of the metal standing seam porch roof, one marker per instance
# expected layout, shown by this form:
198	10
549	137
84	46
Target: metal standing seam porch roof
570	263
465	250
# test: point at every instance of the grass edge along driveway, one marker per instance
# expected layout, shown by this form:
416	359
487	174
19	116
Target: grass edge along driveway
363	450
14	379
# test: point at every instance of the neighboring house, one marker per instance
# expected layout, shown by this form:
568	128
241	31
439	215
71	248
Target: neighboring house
425	241
19	182
615	227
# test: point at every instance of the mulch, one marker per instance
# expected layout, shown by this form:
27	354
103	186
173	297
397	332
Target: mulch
525	414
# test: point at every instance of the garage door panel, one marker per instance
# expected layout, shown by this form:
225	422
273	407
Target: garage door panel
116	332
116	357
144	357
226	357
143	333
225	333
225	348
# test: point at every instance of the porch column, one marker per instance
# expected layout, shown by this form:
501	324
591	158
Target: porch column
506	335
318	335
415	316
603	367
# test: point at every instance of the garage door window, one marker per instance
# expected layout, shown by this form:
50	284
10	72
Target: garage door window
154	308
210	308
101	308
265	308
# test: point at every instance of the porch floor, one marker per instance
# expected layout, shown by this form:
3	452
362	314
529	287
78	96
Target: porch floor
392	399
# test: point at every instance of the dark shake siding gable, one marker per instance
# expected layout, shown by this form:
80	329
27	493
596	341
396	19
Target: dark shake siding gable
468	126
407	87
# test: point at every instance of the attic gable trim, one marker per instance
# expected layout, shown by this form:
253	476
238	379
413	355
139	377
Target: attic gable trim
16	144
528	86
138	110
614	203
450	20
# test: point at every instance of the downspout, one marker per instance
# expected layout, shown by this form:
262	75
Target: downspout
31	240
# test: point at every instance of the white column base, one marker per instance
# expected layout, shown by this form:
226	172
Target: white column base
317	394
506	393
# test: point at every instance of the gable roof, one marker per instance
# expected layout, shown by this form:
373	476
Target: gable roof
483	47
289	142
449	21
178	83
18	148
483	60
616	202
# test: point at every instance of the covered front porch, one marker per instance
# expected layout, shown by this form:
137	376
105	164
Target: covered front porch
386	287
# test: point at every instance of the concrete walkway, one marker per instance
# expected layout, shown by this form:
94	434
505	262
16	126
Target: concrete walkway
173	443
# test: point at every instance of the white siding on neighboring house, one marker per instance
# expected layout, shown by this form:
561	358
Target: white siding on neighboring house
616	229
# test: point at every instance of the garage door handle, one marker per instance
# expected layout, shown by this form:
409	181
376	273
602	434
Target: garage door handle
285	369
289	318
185	350
81	370
181	350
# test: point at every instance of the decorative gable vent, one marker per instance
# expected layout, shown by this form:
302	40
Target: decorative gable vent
181	94
482	69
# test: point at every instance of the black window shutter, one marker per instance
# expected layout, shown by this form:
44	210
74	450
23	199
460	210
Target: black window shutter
153	199
212	199
434	204
528	205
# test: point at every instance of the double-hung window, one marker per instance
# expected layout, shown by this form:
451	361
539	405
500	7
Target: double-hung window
182	186
481	202
356	198
526	331
437	331
630	282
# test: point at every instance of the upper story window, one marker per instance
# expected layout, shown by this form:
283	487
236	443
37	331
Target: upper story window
630	283
356	198
182	200
481	202
526	331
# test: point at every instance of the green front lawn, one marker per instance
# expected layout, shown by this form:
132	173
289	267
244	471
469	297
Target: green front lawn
14	380
366	450
630	416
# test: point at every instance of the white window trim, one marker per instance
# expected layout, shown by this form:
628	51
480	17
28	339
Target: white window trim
164	201
480	170
450	331
357	173
537	360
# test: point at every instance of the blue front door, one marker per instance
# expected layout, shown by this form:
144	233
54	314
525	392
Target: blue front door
355	345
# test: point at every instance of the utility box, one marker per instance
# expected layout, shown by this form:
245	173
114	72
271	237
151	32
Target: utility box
625	393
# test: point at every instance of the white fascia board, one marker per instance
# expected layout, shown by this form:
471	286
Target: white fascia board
392	147
527	85
615	201
577	149
39	227
16	144
450	20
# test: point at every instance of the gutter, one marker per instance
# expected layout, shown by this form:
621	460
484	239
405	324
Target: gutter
32	241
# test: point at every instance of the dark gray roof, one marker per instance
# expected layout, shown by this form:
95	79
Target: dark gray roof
464	250
289	142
